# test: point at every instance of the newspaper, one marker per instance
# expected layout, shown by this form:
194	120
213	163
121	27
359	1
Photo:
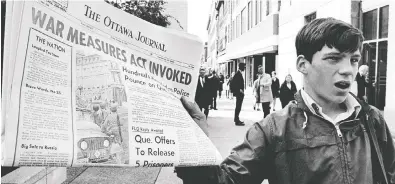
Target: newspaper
90	85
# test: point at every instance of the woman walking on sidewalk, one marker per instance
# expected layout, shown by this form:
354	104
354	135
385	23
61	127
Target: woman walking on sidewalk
287	91
275	89
256	92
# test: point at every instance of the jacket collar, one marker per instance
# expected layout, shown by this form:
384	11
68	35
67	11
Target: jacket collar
300	102
365	108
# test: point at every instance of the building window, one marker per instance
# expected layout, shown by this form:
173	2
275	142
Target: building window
256	11
226	34
238	25
279	5
233	6
249	15
253	12
225	5
370	25
310	17
230	7
268	7
230	31
243	20
383	22
233	30
262	8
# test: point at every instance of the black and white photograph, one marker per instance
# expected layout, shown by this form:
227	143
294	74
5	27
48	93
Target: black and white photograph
286	91
101	111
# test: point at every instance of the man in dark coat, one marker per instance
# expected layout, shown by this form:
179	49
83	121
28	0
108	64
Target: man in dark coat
237	88
221	83
214	86
203	95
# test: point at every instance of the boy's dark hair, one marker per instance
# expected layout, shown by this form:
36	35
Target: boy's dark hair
330	32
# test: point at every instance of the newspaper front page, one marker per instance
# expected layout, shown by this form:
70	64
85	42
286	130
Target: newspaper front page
95	86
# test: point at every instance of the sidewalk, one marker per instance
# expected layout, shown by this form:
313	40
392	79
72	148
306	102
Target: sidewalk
222	130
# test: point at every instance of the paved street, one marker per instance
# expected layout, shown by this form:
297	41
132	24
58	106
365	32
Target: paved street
222	131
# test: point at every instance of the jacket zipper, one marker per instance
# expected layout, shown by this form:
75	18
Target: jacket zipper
343	148
340	135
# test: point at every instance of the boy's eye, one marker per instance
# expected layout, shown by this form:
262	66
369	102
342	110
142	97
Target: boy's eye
332	58
354	60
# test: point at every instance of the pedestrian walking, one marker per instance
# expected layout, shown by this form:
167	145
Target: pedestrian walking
237	88
226	86
287	91
326	135
264	87
213	81
255	92
275	89
202	95
221	84
230	80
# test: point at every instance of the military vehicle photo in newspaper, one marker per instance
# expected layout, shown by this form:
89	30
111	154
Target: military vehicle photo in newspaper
102	114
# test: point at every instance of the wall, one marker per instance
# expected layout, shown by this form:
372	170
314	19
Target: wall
265	31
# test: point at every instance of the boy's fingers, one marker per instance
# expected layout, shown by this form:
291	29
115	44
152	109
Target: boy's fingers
189	106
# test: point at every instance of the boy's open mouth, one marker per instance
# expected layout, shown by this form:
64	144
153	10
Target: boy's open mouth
343	84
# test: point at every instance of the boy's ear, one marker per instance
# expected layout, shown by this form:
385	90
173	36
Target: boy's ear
302	64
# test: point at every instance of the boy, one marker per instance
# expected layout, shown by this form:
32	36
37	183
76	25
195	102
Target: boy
326	135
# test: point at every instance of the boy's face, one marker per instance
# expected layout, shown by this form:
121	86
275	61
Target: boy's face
331	73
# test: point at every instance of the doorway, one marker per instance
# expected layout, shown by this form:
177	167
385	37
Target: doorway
270	63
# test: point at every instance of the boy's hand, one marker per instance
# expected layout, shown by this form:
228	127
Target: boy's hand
197	115
201	174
